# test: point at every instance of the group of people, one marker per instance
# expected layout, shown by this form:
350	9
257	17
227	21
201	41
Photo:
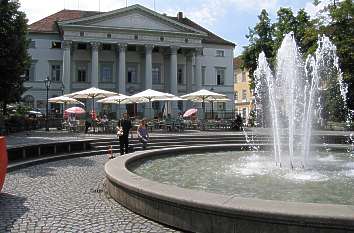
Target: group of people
123	129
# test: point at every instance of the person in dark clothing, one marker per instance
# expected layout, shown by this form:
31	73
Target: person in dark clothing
124	126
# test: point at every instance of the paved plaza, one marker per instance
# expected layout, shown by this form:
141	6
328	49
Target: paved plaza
66	196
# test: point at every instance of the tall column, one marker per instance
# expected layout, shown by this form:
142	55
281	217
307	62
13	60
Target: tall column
198	79
189	73
189	76
148	66
173	78
121	68
66	66
198	67
94	46
121	75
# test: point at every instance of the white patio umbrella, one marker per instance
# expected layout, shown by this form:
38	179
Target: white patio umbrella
202	96
149	96
91	93
116	99
166	102
64	100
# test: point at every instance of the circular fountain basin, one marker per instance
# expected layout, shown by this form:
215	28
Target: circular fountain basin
214	201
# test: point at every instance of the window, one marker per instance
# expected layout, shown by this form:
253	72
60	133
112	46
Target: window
30	73
155	49
131	48
132	73
221	106
56	45
186	40
180	105
136	37
244	95
32	44
55	73
244	76
203	74
244	113
180	75
220	76
220	53
162	38
82	34
235	76
109	35
106	72
29	101
236	95
82	46
82	73
156	74
106	47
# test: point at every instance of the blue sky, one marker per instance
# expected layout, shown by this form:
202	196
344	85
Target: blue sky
229	19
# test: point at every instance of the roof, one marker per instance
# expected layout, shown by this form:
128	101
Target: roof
49	25
238	62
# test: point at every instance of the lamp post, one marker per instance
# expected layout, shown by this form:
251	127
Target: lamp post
47	85
62	93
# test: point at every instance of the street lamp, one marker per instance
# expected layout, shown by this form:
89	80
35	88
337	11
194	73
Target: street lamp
62	93
47	85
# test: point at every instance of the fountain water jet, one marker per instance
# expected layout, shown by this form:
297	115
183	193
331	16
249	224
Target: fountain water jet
293	93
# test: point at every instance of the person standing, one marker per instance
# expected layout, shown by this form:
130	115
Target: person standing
123	129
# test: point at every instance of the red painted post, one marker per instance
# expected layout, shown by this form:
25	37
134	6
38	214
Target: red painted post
3	161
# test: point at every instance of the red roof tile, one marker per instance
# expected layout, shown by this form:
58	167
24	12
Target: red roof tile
48	24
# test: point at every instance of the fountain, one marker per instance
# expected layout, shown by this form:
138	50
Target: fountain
224	188
292	93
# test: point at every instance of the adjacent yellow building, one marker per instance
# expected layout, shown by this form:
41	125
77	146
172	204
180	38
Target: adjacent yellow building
244	99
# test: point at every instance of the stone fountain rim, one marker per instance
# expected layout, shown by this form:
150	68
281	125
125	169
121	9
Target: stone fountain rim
309	214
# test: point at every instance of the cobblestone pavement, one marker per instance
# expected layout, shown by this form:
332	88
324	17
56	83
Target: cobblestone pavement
66	196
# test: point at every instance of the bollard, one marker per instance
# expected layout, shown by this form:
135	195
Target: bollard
110	152
3	161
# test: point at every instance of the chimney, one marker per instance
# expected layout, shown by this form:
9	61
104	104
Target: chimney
179	16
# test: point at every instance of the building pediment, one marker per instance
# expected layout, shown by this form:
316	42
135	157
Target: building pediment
135	17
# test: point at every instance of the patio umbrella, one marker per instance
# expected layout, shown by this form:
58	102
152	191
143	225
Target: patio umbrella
202	96
116	99
91	93
64	100
75	110
150	95
190	112
166	101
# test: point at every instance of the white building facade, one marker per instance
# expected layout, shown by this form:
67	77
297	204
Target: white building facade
126	51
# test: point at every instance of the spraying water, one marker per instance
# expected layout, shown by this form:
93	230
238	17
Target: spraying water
293	95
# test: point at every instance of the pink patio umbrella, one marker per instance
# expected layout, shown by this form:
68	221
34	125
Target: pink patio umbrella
75	110
190	112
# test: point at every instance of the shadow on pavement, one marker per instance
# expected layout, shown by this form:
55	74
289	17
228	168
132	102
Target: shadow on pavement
11	208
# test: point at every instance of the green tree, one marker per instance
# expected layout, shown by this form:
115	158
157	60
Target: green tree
14	58
260	38
286	22
341	32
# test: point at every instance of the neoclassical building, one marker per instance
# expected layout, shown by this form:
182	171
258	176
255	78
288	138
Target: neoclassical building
126	50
